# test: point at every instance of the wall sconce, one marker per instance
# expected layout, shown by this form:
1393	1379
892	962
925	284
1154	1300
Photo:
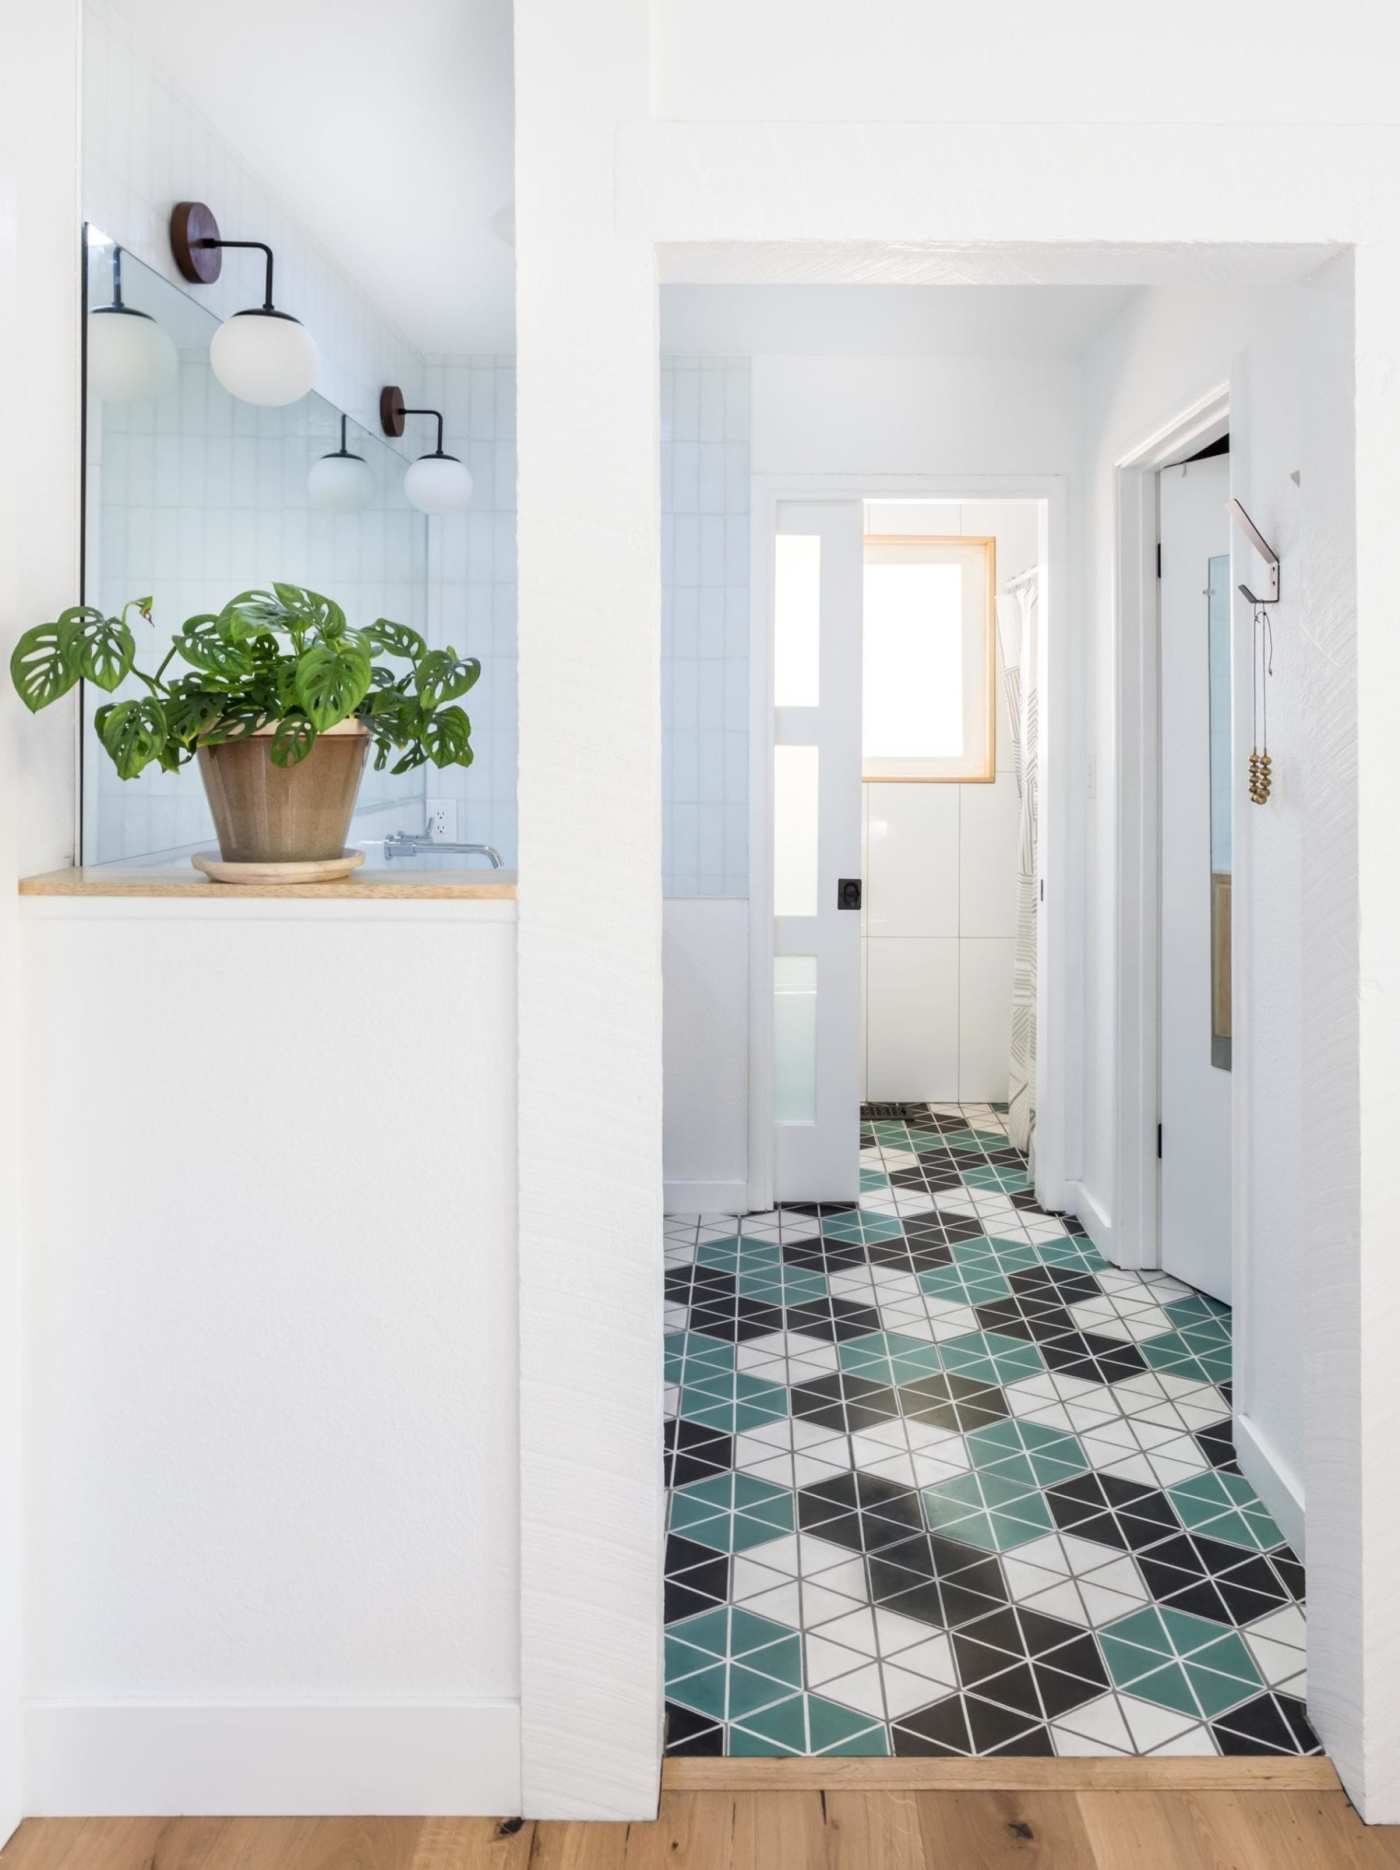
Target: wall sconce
262	355
340	482
129	356
435	483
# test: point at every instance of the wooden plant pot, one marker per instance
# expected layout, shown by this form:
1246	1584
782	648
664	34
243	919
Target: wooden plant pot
284	814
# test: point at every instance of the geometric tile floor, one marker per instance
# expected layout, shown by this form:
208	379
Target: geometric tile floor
943	1480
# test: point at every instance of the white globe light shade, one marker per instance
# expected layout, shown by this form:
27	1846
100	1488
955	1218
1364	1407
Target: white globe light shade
438	484
264	358
129	356
339	483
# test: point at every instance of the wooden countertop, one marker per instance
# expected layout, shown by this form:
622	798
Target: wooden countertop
184	883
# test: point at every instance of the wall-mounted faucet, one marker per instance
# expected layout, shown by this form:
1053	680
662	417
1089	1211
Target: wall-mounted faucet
414	844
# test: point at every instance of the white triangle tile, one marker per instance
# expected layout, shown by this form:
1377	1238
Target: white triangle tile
1047	1555
1295	1685
826	1660
895	1467
805	1369
942	1443
1152	1727
1024	1579
899	1635
1118	1575
749	1579
820	1605
1197	1744
1282	1626
1171	1471
1100	1721
1070	1746
861	1690
905	1692
1061	1600
778	1555
783	1604
855	1630
847	1577
953	1322
1101	1607
1276	1662
776	1469
1135	1467
809	1434
821	1555
930	1469
770	1434
1081	1555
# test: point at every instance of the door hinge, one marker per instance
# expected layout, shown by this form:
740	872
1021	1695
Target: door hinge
1159	1142
1159	558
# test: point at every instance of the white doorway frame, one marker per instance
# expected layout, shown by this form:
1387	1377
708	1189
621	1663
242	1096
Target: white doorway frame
1059	979
1133	1237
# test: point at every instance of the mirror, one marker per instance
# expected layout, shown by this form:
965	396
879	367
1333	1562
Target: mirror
191	496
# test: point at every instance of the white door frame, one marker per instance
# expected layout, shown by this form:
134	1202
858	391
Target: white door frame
1060	983
1131	1238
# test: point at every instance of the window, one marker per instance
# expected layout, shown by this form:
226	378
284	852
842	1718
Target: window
929	707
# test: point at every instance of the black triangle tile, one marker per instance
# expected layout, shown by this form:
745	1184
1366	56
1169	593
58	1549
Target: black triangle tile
1015	1711
1257	1727
940	1728
689	1734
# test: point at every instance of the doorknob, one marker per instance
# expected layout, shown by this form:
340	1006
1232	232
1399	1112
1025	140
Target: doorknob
848	893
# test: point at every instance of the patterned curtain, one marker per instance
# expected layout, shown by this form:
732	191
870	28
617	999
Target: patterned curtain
1017	626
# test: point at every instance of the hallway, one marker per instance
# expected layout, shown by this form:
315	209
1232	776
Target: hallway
943	1481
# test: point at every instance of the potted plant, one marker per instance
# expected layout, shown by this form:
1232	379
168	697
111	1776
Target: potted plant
278	698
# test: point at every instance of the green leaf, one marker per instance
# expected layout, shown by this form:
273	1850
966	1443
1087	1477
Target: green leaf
416	756
134	733
43	665
204	642
447	737
251	614
293	740
237	720
332	679
191	714
397	639
442	675
103	649
310	611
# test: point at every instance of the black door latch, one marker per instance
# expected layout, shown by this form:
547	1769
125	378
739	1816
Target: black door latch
848	893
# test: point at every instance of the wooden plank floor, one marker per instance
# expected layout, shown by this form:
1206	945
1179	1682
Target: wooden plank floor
765	1830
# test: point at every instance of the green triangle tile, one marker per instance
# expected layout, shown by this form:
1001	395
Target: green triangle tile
709	1631
717	1490
1228	1656
682	1660
1217	1692
1127	1664
1144	1628
782	1660
688	1514
1187	1632
830	1724
1166	1687
783	1724
750	1690
871	1743
704	1691
963	1490
747	1530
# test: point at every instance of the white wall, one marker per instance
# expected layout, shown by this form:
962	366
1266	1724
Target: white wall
939	919
272	1491
1286	357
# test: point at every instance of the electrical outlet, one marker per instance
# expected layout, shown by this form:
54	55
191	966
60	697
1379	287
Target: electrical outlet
442	820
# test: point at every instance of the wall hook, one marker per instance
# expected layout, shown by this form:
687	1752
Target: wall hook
1265	551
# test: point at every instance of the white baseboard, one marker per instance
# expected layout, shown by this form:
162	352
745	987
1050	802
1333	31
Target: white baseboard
1093	1217
153	1758
707	1197
1272	1479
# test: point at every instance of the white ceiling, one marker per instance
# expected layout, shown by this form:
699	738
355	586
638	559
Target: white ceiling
900	321
386	128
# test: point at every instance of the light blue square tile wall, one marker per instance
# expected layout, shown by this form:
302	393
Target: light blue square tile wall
704	623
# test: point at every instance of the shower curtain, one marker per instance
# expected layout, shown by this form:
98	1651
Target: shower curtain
1017	626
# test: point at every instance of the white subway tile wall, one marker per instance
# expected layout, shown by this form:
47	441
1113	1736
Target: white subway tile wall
705	625
195	496
472	586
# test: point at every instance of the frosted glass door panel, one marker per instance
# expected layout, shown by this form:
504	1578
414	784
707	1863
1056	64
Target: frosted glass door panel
795	1038
816	849
796	806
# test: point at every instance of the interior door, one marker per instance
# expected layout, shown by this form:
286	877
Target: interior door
1195	881
817	556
